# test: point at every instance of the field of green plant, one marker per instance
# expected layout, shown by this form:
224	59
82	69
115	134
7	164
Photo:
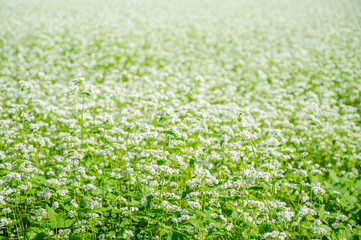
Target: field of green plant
173	120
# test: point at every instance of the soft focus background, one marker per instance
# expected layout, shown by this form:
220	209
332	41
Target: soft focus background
180	119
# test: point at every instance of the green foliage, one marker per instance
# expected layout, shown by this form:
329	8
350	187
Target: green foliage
176	120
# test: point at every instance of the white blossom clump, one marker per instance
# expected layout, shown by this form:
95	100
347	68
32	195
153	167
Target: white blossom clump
180	119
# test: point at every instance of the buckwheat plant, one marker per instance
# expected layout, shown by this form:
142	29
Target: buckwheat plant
180	120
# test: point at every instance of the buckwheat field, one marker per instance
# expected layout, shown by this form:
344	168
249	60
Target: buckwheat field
180	120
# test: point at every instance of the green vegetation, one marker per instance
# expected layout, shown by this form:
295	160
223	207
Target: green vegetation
179	120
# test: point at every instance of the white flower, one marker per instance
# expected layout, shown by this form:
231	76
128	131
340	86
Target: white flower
6	210
127	234
341	217
74	204
286	215
5	221
194	205
71	213
305	211
62	192
55	205
317	222
317	189
229	226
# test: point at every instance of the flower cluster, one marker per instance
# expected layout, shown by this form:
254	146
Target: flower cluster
180	119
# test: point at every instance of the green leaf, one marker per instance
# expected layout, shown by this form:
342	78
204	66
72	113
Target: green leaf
170	133
64	223
264	227
39	236
85	93
334	176
178	235
74	237
33	233
161	119
256	188
192	162
228	211
252	143
161	162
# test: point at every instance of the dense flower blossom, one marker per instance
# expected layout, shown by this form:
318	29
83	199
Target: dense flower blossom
180	119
